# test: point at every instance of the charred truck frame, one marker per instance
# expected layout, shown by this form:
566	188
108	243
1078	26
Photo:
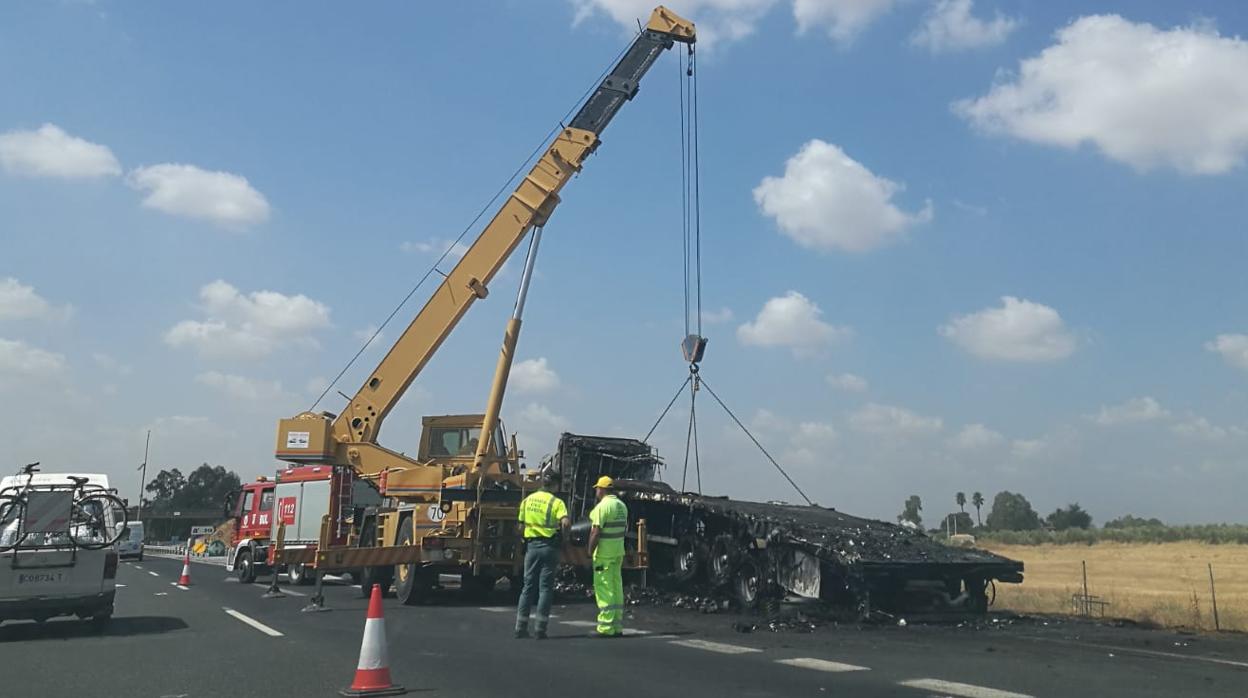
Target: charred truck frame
758	551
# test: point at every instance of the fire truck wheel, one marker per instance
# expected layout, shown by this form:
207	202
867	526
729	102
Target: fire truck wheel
243	565
412	582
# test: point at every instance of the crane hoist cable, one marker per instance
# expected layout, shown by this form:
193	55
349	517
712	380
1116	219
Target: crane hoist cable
694	344
506	186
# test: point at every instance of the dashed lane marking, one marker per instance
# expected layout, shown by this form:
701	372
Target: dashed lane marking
138	567
497	609
252	622
120	586
719	647
821	665
293	593
162	593
579	623
965	690
631	632
153	573
183	588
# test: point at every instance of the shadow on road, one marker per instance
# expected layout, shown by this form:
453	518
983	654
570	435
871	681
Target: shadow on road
68	628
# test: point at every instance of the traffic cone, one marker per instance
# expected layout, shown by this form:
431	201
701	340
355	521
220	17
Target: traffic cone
372	673
185	579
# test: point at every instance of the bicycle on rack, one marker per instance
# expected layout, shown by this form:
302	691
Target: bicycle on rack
86	526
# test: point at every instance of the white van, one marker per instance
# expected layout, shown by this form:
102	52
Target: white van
131	544
42	576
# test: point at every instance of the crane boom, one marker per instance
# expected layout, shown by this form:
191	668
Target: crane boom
351	436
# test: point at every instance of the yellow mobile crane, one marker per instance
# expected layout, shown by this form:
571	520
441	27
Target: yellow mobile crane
452	507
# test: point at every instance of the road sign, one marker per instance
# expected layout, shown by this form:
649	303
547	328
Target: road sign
201	530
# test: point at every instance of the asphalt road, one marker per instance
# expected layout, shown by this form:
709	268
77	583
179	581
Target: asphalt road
220	638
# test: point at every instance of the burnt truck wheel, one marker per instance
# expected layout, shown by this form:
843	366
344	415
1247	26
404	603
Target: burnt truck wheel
412	583
747	584
245	568
723	559
688	560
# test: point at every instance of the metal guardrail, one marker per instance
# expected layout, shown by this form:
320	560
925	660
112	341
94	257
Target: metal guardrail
179	551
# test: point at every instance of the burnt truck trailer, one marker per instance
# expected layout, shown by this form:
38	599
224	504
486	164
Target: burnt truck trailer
756	551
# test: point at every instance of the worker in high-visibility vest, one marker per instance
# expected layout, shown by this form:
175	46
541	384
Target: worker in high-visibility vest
544	518
609	519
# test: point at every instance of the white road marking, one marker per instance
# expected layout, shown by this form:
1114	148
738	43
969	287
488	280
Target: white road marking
120	586
293	593
252	622
497	609
662	637
580	623
153	573
821	665
630	632
183	588
162	593
719	647
965	690
1154	653
138	567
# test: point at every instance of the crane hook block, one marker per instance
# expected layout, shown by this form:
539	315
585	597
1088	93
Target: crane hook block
693	347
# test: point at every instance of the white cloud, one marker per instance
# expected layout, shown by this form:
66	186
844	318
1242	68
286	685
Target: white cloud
827	201
223	198
50	152
19	359
974	437
1133	411
110	364
949	26
718	317
435	246
1025	449
316	385
20	302
369	336
240	387
848	382
1201	429
1143	96
538	415
1232	347
792	321
248	326
717	21
534	376
842	19
1019	330
888	420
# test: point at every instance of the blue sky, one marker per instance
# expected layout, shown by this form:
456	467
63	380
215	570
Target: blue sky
947	245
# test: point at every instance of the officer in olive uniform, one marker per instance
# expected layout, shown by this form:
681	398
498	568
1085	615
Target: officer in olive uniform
544	518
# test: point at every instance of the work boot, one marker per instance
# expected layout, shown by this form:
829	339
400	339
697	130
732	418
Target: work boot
539	635
521	633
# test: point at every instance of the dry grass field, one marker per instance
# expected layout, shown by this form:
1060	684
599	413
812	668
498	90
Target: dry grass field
1162	583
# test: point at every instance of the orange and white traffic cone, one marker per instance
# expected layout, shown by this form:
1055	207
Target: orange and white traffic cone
372	673
185	579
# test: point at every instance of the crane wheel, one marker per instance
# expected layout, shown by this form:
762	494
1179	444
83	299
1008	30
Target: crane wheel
413	583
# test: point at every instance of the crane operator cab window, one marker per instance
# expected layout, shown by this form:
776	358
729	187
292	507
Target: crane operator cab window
460	441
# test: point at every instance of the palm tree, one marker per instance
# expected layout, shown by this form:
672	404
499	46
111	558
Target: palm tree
977	501
960	498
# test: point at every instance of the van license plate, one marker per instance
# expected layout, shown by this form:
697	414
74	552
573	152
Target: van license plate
40	578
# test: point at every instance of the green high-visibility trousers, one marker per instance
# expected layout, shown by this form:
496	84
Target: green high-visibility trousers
609	593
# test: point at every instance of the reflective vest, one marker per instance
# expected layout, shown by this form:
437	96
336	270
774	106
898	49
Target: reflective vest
611	518
540	513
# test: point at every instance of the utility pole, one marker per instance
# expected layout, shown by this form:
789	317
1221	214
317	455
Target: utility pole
143	475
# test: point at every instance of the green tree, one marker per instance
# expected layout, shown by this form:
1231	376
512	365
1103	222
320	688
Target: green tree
957	522
207	486
1072	516
977	501
165	489
1012	512
960	498
911	510
1130	521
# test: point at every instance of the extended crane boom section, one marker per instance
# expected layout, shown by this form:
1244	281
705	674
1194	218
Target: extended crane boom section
310	437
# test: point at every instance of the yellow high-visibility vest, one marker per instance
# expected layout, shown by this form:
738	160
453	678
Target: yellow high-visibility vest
611	517
540	513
